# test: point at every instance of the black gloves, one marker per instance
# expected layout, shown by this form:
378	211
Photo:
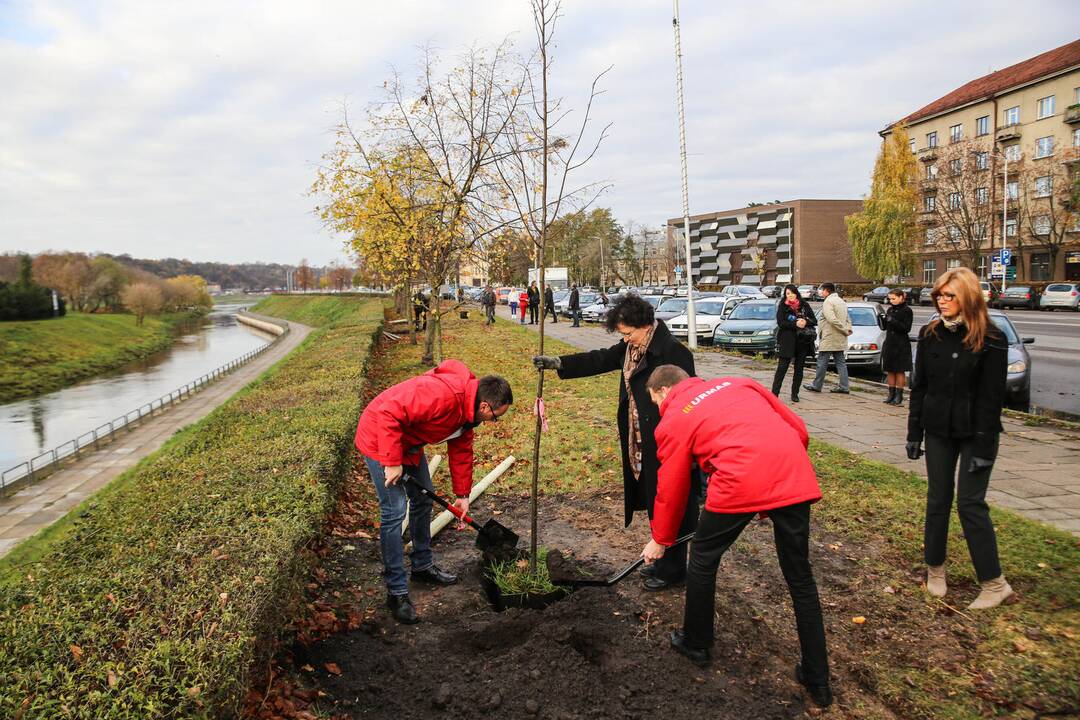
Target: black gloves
547	362
914	451
978	464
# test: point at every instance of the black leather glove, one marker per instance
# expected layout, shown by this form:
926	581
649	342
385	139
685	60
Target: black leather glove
914	451
977	464
547	362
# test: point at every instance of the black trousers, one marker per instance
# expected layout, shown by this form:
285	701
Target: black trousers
791	531
554	315
672	567
801	351
943	482
533	313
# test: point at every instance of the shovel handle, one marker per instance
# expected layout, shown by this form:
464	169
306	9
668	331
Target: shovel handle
442	501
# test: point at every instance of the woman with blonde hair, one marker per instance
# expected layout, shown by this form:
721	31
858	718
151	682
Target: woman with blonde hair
956	396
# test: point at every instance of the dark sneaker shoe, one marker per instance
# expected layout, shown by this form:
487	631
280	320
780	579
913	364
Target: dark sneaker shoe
647	571
402	609
699	656
840	391
655	582
435	576
794	398
820	694
810	387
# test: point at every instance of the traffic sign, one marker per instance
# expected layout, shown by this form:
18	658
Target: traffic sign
1006	255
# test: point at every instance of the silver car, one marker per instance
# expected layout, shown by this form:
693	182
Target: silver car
867	334
1061	295
708	314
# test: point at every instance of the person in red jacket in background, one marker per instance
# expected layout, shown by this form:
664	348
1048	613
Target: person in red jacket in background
442	405
523	300
753	449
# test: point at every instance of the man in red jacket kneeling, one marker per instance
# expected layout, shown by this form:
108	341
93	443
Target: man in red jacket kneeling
442	405
753	449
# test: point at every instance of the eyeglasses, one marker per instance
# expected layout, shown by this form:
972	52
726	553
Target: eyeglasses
946	296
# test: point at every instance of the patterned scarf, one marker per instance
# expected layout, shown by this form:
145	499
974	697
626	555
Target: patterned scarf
632	362
952	324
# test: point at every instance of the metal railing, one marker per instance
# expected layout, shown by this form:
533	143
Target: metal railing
41	465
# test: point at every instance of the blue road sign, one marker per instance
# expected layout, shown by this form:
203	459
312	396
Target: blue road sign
1006	256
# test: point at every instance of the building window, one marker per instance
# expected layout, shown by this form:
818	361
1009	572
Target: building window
1012	116
956	166
929	203
1044	107
911	144
1012	152
1040	266
1041	224
1044	146
1012	190
983	270
931	236
982	195
982	125
931	171
1010	228
954	201
954	234
955	133
982	160
929	271
1076	96
952	264
931	140
1044	186
1076	137
979	229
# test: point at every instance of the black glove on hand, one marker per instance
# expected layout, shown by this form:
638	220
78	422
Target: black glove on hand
914	452
547	362
978	464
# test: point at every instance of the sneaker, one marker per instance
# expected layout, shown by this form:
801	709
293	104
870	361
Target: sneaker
655	582
820	694
435	576
402	609
840	391
811	388
699	656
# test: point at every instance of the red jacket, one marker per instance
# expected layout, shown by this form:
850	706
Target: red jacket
424	410
752	447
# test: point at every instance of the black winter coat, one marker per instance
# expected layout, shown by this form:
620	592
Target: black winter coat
896	350
574	303
549	298
534	296
787	333
957	393
663	350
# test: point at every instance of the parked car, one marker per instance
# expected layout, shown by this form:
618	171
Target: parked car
1018	373
924	296
878	295
585	298
867	334
708	313
1023	296
744	291
1060	295
674	306
772	291
597	311
653	299
751	326
502	295
990	292
809	292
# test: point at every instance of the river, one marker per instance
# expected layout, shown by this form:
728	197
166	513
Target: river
34	425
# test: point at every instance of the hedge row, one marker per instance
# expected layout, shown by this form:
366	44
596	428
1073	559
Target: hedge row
159	599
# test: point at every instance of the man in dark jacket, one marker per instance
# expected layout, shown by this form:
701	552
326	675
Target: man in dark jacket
442	405
487	301
647	343
574	306
534	303
549	304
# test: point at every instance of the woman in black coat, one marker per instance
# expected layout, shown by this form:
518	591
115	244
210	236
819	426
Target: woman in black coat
896	350
956	396
646	344
796	323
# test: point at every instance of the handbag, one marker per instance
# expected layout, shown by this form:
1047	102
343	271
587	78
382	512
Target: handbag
806	334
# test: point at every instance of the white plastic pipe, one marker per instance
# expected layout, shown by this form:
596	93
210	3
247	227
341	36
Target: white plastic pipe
446	517
432	466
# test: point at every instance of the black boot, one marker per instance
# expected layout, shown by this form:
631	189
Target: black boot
820	694
892	396
899	397
699	656
402	609
435	576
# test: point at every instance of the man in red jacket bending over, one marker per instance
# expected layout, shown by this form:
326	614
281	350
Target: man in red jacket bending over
442	405
753	448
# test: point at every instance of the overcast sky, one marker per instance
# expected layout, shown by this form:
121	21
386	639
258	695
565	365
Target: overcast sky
192	129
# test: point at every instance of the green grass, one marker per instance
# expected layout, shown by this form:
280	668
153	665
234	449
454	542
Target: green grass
39	356
158	595
514	578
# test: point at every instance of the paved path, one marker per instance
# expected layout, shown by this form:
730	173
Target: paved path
40	504
1037	472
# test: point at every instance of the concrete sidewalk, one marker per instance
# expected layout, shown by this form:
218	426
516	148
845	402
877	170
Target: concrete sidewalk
36	506
1037	472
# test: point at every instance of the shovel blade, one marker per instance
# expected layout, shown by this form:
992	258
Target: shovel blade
494	536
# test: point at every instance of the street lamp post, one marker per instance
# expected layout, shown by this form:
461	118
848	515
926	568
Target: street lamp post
1004	218
691	322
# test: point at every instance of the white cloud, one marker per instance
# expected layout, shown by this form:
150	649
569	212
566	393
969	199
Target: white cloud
192	129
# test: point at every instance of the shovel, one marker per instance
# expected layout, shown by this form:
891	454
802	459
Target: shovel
494	537
560	573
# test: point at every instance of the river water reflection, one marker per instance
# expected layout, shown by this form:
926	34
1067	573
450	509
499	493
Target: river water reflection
34	425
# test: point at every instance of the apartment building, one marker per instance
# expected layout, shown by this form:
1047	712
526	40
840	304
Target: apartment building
998	159
799	241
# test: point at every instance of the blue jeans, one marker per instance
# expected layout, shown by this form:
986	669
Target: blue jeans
823	364
393	501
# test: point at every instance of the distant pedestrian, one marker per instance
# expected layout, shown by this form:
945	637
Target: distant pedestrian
796	329
523	300
534	303
574	306
834	329
512	301
549	304
421	305
487	300
896	349
957	392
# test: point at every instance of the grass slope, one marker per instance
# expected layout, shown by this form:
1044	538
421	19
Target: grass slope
39	356
157	597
